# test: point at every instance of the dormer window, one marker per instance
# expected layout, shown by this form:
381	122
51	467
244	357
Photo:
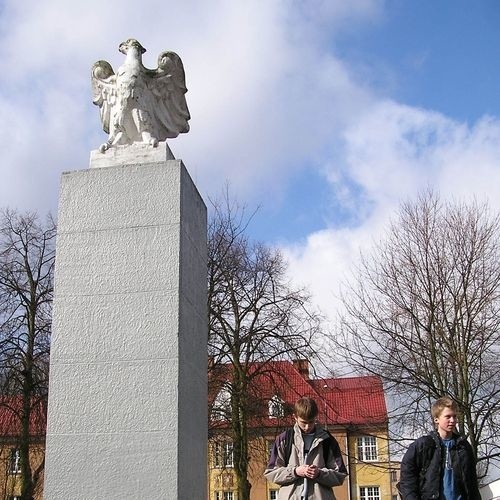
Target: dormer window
221	409
276	407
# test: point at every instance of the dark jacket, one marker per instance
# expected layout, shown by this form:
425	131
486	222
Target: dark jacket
423	464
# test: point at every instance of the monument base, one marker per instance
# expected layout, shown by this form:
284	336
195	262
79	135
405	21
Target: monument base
134	154
127	416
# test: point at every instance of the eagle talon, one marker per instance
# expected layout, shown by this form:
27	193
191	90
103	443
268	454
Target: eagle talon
104	147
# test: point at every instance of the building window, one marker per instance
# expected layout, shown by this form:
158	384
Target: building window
369	493
367	448
224	495
15	461
394	476
223	454
221	409
273	494
276	407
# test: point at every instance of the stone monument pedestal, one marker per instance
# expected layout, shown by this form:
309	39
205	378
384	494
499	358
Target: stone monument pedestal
127	415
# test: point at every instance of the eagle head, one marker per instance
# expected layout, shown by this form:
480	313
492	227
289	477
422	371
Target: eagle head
131	42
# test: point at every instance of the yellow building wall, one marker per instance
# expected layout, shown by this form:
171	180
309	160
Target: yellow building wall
371	473
10	483
224	479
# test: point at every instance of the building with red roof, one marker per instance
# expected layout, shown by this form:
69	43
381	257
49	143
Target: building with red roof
10	431
353	409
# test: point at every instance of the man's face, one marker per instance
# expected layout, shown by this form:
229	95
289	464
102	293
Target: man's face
306	426
446	422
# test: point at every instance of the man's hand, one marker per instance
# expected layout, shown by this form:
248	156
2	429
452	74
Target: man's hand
309	471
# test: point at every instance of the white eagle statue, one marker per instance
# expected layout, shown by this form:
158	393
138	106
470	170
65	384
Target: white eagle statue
138	104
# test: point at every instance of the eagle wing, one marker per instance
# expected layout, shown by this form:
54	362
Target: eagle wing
104	91
167	85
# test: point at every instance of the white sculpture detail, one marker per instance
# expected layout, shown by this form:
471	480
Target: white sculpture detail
138	104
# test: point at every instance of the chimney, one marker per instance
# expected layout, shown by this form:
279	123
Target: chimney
302	366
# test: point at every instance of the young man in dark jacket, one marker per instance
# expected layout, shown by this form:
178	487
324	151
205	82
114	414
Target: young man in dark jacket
440	465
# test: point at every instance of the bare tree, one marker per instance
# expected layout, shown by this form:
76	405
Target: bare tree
424	314
27	253
255	316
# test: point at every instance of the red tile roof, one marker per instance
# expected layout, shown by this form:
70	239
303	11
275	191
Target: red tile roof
10	423
345	401
353	400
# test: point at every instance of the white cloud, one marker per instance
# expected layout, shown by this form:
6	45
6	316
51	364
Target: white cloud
391	153
396	150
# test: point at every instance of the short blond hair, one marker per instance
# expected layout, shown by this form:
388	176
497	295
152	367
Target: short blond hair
442	403
306	408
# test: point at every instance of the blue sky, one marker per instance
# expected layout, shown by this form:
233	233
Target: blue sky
440	56
325	114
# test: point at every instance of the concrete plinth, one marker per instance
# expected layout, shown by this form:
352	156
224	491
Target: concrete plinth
128	376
